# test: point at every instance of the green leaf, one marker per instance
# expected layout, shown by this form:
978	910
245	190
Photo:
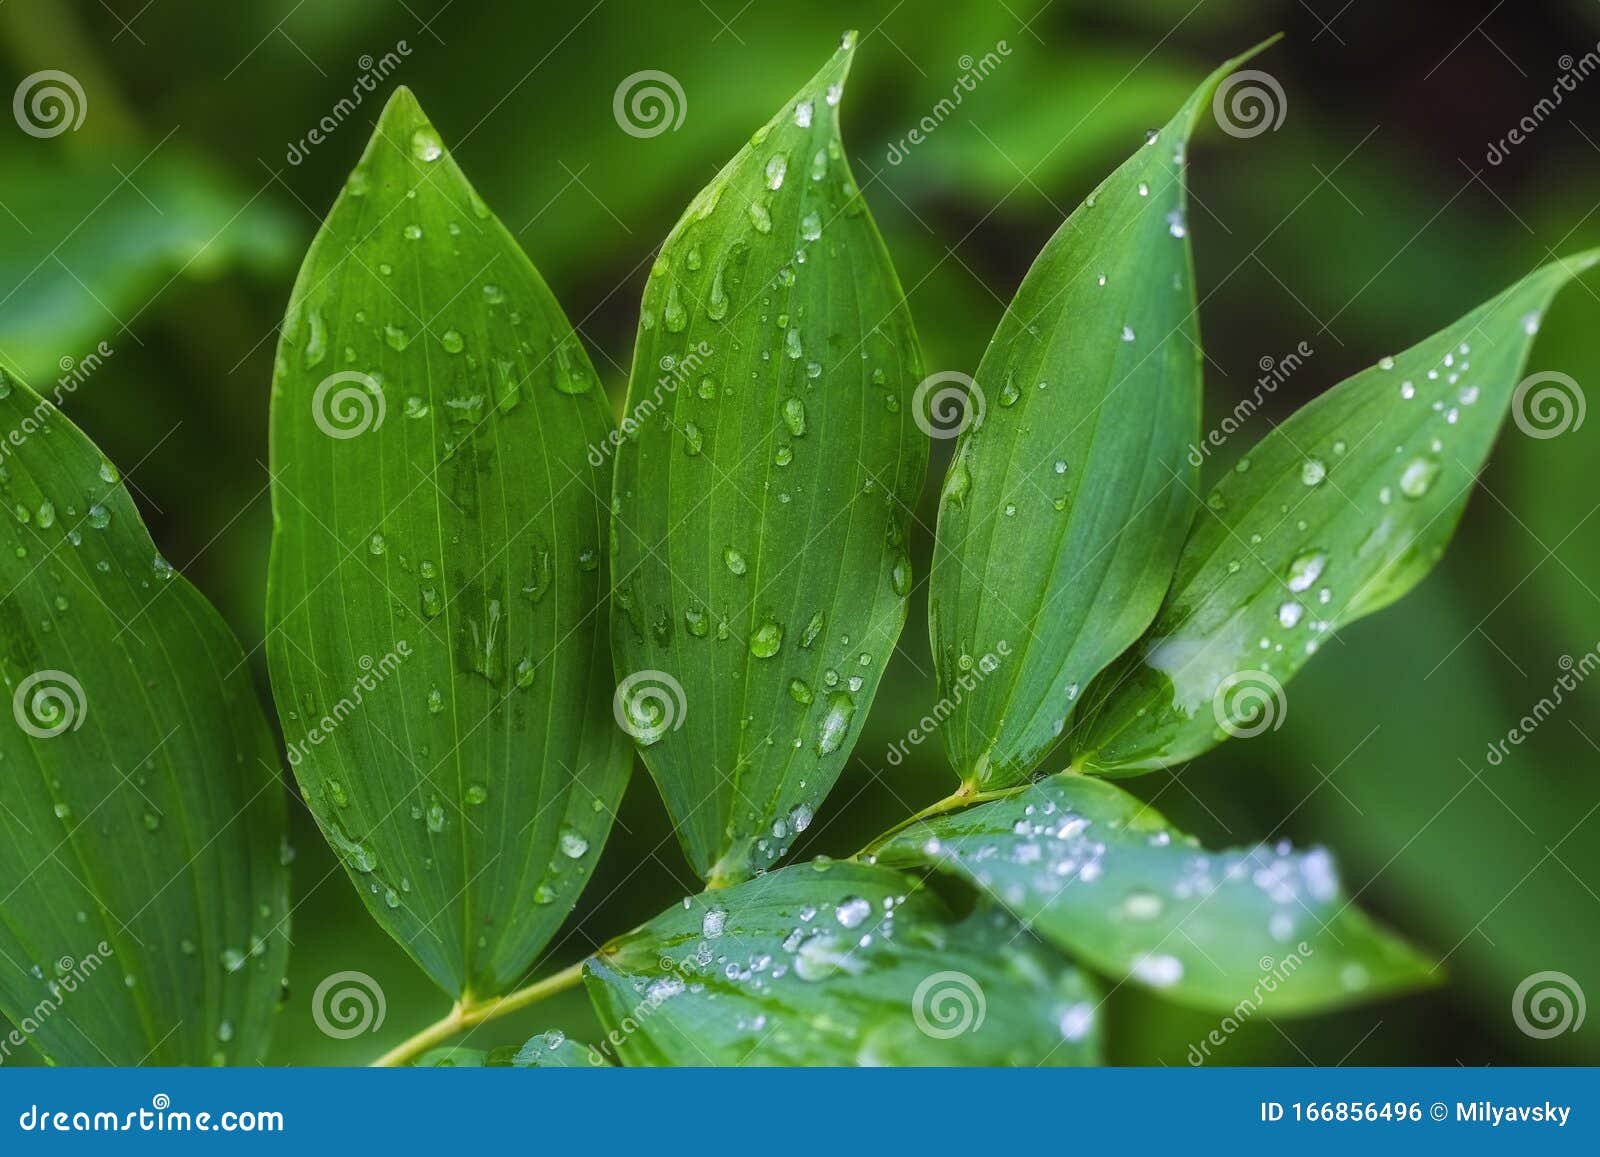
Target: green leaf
1070	493
1333	515
839	964
144	914
452	1057
91	243
437	646
549	1050
761	509
1103	876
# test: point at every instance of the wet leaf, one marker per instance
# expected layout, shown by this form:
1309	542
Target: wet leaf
144	916
1103	876
839	964
437	646
1070	492
763	489
1333	515
549	1050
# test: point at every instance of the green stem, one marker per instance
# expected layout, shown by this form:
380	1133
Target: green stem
964	796
468	1013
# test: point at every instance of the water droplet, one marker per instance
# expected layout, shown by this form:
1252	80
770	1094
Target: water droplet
852	911
1142	904
1305	569
1158	970
697	621
734	561
573	843
777	166
713	922
1417	478
766	640
426	146
794	415
673	315
835	723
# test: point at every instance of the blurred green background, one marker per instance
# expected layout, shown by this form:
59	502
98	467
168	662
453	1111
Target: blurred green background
170	225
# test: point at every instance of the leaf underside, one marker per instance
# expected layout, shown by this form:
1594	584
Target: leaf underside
1102	876
144	911
1070	492
437	645
763	489
839	964
1333	515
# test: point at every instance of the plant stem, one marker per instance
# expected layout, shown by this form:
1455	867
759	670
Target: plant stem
468	1013
964	796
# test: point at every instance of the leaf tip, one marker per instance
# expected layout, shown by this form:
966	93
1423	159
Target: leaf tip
831	78
402	103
